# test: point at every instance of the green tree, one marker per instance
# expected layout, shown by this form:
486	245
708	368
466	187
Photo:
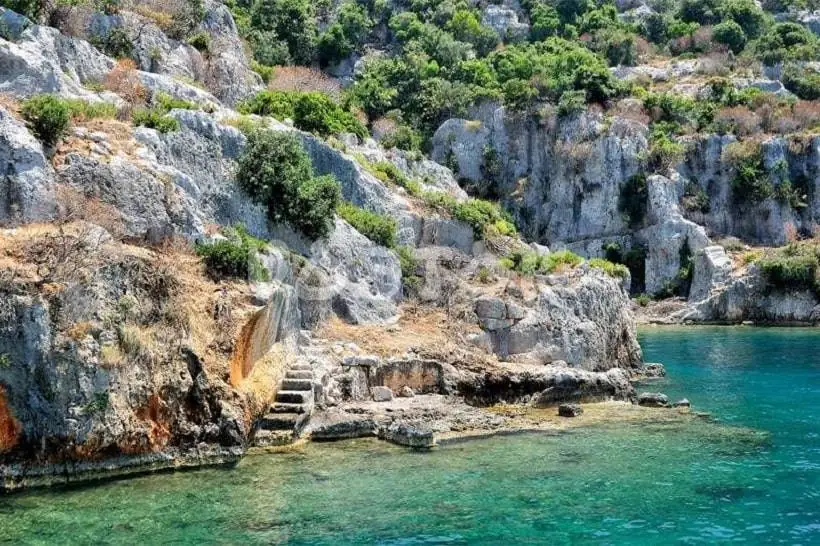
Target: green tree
276	172
293	21
730	34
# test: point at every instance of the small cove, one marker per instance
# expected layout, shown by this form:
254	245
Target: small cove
753	477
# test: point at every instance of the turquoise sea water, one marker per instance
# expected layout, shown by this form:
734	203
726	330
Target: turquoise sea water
695	483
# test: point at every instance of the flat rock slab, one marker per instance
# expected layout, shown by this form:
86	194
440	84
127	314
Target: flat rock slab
653	400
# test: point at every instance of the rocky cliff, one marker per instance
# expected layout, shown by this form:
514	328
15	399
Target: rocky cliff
120	352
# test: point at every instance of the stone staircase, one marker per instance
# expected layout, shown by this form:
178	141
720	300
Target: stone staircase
291	411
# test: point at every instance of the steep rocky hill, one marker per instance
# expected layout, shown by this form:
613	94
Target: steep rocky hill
424	208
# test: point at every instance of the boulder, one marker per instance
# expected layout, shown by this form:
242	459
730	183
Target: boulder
653	400
653	369
683	403
407	435
570	410
406	392
381	394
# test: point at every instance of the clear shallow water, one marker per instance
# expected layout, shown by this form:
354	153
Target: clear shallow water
659	484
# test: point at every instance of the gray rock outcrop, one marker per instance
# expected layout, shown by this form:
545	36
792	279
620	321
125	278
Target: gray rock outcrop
582	319
27	192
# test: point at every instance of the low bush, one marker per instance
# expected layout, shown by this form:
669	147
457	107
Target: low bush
378	228
618	271
154	118
751	183
481	214
785	272
403	138
560	260
803	82
409	264
47	116
82	110
314	112
695	199
116	43
167	102
201	41
731	35
235	256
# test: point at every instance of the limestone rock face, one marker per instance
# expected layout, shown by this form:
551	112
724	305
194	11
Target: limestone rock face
746	297
68	402
761	223
712	271
580	318
347	274
27	192
42	60
505	22
225	71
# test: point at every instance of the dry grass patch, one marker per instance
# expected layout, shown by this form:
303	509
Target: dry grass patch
299	78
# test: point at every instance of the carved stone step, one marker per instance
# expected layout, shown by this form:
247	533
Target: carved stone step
295	397
299	374
297	385
282	421
269	438
288	408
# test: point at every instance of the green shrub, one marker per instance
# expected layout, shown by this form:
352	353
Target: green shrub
317	113
664	152
341	38
481	214
634	200
695	198
201	41
235	256
751	183
290	22
559	260
47	116
313	112
313	207
82	110
403	138
276	172
154	118
115	44
790	272
390	174
522	260
730	34
277	104
618	271
264	71
787	42
30	8
803	82
643	300
409	264
167	103
378	228
572	102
